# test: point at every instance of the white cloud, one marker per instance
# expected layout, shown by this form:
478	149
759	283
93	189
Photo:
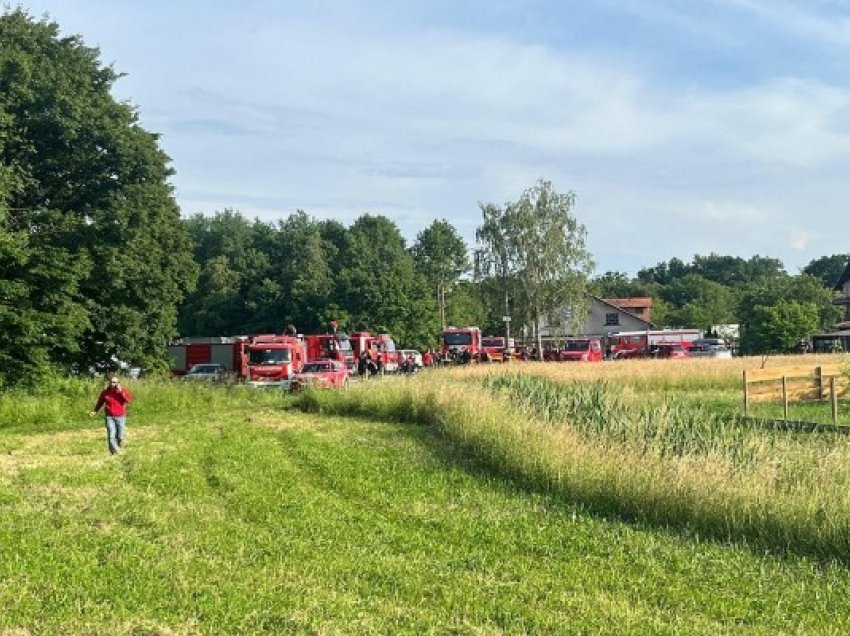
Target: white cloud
268	113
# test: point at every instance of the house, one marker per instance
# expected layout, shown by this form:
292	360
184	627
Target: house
843	286
639	306
603	318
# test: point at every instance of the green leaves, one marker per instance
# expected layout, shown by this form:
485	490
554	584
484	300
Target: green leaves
536	246
93	243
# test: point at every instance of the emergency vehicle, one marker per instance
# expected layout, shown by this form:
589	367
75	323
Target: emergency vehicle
496	346
581	350
381	345
330	346
629	344
229	352
461	344
273	360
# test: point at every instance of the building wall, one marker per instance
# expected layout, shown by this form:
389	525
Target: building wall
598	319
601	315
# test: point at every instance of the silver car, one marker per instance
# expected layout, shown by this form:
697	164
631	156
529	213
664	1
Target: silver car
213	372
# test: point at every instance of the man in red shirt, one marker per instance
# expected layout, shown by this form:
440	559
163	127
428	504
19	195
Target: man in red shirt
114	398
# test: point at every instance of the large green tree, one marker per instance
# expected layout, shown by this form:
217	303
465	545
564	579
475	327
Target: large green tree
828	268
537	242
379	286
97	229
695	301
441	257
775	316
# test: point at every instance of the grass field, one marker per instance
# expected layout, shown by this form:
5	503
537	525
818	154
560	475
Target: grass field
390	509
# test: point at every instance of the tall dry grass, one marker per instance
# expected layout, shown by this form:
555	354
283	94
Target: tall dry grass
659	464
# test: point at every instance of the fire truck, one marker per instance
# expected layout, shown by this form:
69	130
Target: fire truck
381	345
228	351
273	359
495	347
461	344
581	350
626	344
330	346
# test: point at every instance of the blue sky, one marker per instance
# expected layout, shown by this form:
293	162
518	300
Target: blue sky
684	127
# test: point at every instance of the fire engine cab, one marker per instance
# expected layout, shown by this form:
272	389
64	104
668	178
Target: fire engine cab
381	345
461	344
274	359
330	346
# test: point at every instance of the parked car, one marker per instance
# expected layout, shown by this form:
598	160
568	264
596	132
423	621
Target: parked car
213	372
324	374
417	357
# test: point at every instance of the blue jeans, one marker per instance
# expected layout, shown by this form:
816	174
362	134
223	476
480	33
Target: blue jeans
115	432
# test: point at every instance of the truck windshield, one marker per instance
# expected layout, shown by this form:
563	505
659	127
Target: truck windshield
493	342
268	356
344	344
576	345
457	339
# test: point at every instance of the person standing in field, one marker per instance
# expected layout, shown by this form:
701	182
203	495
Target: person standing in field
114	400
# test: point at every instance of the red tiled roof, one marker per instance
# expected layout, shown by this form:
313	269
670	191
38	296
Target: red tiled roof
629	302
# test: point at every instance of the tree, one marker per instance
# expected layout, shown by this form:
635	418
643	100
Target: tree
779	328
232	254
440	256
379	286
800	304
828	268
99	233
695	301
538	242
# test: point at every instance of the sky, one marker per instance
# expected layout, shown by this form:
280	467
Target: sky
684	127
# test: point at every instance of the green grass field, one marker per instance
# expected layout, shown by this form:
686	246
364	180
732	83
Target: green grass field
235	512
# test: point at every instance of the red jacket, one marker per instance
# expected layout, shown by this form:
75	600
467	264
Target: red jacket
116	401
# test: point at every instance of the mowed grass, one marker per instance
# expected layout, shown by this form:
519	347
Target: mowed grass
228	514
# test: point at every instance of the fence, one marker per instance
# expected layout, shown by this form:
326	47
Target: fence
796	384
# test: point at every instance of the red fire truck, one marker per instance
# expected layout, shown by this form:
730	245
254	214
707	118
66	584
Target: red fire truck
272	360
629	344
330	346
229	352
495	347
461	344
381	345
581	350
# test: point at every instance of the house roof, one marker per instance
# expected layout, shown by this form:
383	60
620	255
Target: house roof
620	309
844	278
628	303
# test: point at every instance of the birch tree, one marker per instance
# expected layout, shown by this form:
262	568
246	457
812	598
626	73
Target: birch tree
537	242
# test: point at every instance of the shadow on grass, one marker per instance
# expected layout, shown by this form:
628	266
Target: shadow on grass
772	536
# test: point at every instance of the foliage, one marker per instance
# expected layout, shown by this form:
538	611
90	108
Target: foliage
732	271
93	251
537	242
696	301
440	257
775	317
828	268
379	287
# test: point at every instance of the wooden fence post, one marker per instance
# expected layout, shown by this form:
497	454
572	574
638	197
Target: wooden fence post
834	397
785	396
746	394
819	382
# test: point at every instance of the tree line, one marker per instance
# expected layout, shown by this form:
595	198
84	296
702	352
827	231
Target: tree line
774	309
97	265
